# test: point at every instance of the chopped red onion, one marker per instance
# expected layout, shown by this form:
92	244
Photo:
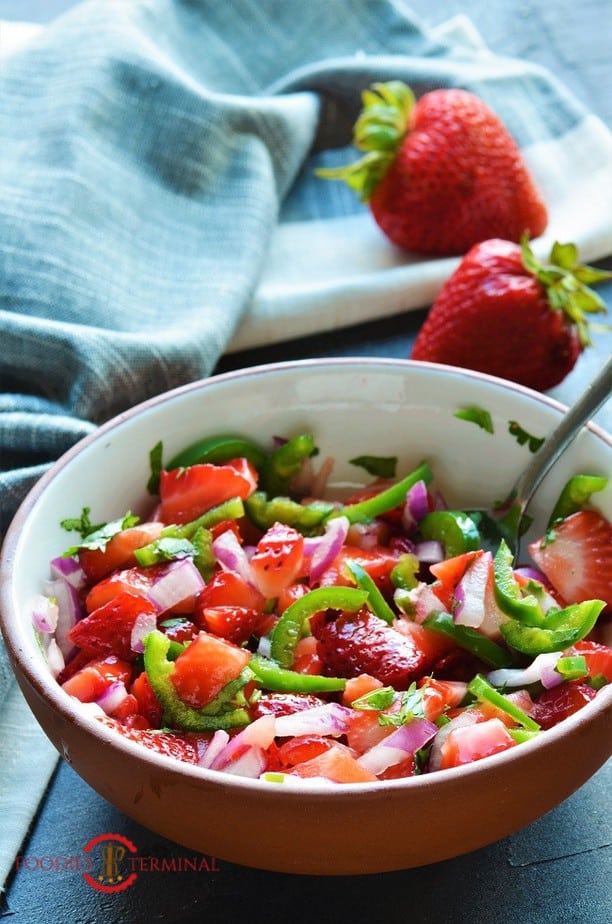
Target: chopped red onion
328	547
470	592
69	612
177	581
330	719
416	506
55	658
251	764
532	574
426	601
231	555
259	735
112	697
365	535
70	569
392	750
541	670
45	614
215	746
435	755
430	551
144	624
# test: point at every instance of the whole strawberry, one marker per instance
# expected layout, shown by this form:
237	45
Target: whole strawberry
504	313
440	174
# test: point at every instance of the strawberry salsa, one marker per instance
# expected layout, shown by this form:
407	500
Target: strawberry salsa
251	626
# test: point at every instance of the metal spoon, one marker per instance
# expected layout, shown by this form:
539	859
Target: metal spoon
593	397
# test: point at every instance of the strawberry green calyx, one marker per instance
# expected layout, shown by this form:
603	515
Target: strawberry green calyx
568	285
379	131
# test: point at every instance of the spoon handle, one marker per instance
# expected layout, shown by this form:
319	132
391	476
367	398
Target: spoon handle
593	397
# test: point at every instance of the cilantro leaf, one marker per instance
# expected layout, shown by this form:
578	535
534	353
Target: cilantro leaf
379	466
477	415
522	436
411	707
98	537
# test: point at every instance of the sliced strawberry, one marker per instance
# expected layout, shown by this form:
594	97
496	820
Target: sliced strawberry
205	667
552	706
278	559
187	493
284	703
108	629
170	744
577	557
361	643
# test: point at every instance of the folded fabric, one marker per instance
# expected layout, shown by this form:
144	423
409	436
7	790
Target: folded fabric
158	203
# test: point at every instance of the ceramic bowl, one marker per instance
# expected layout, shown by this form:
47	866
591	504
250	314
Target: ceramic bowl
353	406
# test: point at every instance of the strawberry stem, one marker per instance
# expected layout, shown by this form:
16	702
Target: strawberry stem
568	285
379	131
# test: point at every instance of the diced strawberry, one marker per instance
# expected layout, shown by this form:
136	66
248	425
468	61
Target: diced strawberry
439	695
361	643
234	623
577	560
301	748
127	708
377	562
552	706
359	686
90	682
118	552
135	580
399	771
148	704
305	657
283	704
467	743
598	658
365	731
336	764
204	668
180	630
226	588
108	629
278	559
289	595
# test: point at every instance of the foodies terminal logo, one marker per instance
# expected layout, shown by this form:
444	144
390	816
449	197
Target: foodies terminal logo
111	863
